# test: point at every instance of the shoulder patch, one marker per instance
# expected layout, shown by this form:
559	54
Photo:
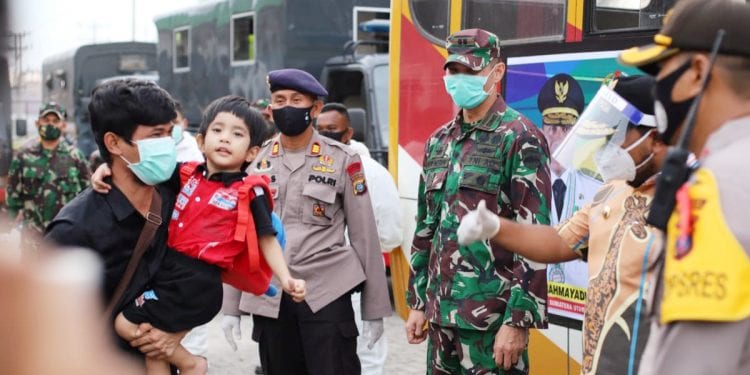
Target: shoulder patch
359	185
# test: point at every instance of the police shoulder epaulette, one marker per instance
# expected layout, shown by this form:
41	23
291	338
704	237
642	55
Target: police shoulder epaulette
331	143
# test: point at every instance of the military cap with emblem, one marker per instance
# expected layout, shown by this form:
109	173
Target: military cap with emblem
297	80
691	26
473	48
53	107
560	100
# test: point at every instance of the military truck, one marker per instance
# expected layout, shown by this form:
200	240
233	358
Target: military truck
68	79
228	47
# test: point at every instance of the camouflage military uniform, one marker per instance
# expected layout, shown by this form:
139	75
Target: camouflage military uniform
475	289
41	181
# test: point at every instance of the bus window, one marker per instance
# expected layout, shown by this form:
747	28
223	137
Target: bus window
431	18
612	15
243	38
517	21
181	49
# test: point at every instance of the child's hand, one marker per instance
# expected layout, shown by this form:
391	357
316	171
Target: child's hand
97	179
296	288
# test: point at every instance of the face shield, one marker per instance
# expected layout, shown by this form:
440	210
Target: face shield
604	122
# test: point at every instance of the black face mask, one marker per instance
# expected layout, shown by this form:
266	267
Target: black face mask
49	132
670	114
292	121
336	136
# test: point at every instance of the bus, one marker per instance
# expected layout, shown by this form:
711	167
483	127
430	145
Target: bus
539	38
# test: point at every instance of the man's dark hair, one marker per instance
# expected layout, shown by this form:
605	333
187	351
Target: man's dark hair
243	109
178	108
338	107
120	106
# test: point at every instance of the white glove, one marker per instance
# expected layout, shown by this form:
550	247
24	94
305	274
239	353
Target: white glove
479	224
372	331
231	326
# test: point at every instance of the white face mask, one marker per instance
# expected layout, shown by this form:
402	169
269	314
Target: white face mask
615	163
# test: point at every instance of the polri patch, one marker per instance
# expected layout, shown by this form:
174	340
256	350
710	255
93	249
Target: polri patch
322	180
359	185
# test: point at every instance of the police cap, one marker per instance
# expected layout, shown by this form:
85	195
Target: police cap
561	94
297	80
692	25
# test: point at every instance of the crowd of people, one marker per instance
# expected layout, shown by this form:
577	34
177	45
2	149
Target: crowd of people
273	209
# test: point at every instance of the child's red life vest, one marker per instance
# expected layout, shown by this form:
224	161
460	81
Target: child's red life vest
212	222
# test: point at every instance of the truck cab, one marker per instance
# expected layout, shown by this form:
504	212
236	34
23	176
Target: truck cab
359	80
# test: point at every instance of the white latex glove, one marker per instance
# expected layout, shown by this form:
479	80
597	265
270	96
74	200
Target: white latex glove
231	326
372	331
479	224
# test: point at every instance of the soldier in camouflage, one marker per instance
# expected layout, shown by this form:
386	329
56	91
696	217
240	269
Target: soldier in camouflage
45	175
479	300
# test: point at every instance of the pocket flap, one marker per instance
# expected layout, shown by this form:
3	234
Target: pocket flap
321	192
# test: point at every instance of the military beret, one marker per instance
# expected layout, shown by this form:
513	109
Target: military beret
295	79
561	94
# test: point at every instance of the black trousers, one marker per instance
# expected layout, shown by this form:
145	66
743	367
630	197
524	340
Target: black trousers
300	342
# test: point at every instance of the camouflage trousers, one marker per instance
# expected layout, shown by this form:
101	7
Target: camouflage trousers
452	350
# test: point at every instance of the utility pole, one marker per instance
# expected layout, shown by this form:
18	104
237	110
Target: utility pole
132	37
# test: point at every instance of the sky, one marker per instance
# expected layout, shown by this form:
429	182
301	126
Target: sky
55	26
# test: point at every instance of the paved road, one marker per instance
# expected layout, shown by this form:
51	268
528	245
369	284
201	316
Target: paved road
403	359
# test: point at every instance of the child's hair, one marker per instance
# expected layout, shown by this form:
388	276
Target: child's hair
120	106
243	109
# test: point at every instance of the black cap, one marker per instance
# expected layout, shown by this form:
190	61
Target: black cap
639	91
561	94
692	25
297	80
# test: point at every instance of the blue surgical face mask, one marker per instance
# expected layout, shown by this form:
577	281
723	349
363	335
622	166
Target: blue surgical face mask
177	134
467	91
158	160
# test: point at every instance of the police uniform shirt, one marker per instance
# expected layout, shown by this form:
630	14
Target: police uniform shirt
317	196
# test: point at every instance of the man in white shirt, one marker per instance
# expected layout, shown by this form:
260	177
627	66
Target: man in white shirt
333	122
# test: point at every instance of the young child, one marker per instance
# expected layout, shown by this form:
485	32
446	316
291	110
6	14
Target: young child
204	226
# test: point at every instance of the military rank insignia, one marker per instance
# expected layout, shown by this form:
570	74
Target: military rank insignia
275	149
357	176
319	210
315	149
